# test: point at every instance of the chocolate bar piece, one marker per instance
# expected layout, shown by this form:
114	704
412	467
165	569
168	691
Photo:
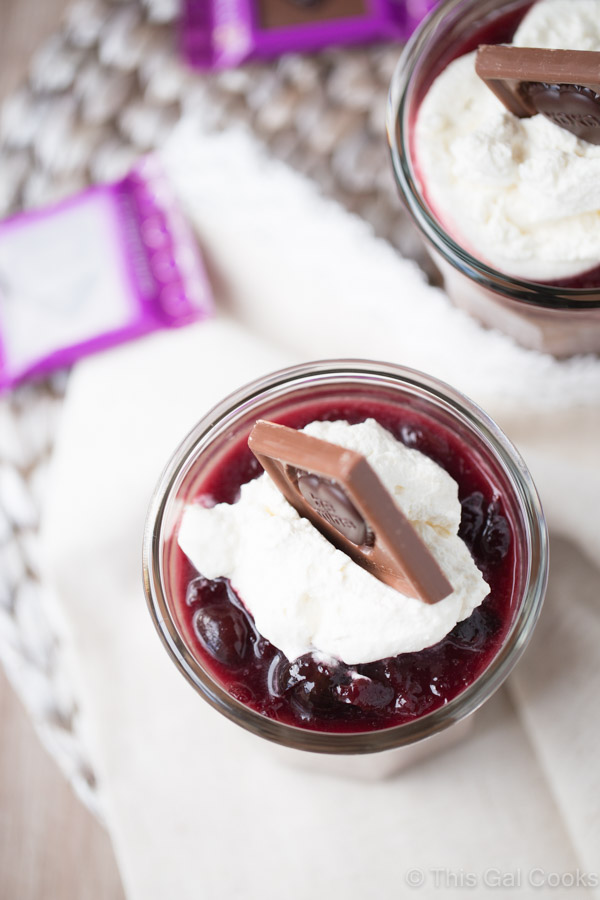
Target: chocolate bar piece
563	85
282	13
338	491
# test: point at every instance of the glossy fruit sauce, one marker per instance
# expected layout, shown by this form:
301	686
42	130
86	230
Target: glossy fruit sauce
335	697
498	29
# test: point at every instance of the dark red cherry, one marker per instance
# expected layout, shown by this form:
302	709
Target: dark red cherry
223	632
413	700
484	529
474	633
310	685
277	674
202	590
495	537
365	694
472	518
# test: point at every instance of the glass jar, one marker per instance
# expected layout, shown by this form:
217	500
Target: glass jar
274	397
559	320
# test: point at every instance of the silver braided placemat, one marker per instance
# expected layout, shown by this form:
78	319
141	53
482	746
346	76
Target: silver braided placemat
106	88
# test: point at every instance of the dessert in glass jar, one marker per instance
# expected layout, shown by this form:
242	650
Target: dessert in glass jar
294	638
507	198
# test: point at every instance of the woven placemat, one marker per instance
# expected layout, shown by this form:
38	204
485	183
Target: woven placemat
104	89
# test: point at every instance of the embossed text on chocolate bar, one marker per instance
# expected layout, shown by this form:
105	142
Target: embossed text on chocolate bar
563	85
338	491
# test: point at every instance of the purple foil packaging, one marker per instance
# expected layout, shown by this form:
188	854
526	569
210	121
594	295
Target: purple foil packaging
112	263
220	34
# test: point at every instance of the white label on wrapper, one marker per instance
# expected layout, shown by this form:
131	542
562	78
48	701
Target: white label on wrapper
62	281
109	264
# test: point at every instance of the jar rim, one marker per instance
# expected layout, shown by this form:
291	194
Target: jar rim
520	290
468	700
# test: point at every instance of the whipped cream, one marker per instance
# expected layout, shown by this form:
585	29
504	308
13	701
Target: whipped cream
307	596
521	194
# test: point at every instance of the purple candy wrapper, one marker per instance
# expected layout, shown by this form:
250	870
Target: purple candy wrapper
220	34
109	264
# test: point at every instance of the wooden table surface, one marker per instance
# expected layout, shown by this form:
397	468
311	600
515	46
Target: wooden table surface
51	847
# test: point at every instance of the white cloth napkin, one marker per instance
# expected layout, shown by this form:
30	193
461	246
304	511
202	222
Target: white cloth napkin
196	807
